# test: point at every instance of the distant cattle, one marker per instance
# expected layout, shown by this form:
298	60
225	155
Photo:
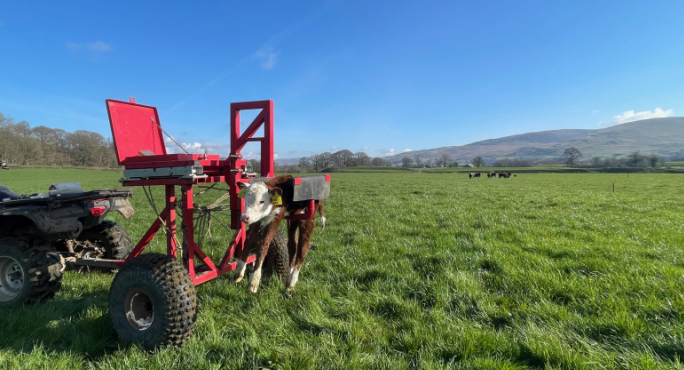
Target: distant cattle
491	174
505	175
473	174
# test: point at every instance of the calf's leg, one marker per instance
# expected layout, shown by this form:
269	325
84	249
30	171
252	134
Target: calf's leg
319	205
306	229
251	237
292	227
267	235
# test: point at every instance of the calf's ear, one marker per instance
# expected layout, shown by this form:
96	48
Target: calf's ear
278	180
276	190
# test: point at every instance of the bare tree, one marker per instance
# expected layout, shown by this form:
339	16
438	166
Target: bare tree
341	158
634	159
595	161
653	160
326	160
317	162
349	158
418	160
406	161
571	155
361	159
380	162
305	163
444	160
478	161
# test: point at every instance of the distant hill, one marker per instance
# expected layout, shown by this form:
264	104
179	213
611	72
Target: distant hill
661	136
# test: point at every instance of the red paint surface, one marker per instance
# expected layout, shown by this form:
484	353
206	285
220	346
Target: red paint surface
134	129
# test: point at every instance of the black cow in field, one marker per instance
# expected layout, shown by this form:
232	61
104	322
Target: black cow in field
491	174
473	174
505	175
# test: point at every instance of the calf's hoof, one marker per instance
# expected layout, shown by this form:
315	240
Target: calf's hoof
253	288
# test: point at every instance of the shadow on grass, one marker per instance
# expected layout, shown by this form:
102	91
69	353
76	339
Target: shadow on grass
672	352
80	326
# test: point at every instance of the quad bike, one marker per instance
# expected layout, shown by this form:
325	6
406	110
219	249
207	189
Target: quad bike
42	235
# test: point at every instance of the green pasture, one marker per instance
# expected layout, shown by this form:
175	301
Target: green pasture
413	271
671	167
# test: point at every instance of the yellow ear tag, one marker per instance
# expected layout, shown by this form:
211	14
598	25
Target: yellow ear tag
277	200
241	193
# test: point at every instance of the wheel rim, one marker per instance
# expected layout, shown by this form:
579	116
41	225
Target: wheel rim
139	310
11	278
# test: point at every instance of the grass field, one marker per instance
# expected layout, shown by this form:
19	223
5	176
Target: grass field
426	271
671	167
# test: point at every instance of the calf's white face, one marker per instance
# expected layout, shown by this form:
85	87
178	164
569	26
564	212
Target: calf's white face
257	203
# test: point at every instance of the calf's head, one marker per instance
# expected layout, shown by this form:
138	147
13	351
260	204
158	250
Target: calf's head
258	197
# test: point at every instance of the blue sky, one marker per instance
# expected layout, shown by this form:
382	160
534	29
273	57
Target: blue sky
376	76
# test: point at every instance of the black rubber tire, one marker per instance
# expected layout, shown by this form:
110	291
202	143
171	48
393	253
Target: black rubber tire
173	298
277	261
41	268
112	236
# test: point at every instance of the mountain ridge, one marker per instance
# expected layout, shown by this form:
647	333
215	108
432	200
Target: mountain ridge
660	136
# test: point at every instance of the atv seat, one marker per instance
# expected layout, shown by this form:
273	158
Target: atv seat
7	194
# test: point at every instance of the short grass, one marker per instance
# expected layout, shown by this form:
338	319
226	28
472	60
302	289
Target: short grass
671	167
542	271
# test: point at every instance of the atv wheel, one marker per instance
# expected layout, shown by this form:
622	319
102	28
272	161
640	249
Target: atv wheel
153	301
30	271
112	237
277	260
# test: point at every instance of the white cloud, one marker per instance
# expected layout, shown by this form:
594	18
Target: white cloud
594	111
267	56
221	149
97	46
333	148
631	116
391	152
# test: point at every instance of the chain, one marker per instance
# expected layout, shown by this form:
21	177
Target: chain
167	134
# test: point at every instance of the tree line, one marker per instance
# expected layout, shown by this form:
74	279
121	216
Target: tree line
636	159
327	162
417	161
44	146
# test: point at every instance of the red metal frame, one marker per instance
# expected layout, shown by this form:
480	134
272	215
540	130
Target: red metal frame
127	117
230	171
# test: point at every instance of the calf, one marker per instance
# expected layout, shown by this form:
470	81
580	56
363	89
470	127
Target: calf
473	174
491	174
505	175
264	218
